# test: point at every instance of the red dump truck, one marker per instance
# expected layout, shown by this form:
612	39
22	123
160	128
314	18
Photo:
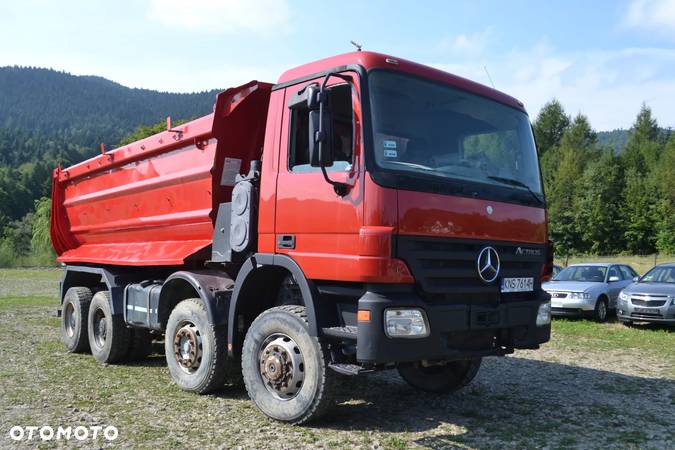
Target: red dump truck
364	213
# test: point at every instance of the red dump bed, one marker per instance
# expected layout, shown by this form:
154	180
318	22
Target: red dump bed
153	202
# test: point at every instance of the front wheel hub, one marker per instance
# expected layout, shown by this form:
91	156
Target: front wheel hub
282	366
187	347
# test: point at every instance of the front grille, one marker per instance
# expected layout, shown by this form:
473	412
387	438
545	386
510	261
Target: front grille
447	268
647	315
652	303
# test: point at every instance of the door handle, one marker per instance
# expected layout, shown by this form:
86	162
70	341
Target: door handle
286	241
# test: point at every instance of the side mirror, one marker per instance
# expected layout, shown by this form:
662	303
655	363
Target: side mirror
321	133
614	278
636	279
306	99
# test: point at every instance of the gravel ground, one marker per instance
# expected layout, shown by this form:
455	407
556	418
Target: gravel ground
566	395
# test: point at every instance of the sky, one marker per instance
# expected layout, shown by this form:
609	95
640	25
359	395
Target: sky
599	58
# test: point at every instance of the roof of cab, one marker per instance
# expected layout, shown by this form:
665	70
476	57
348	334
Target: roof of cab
372	60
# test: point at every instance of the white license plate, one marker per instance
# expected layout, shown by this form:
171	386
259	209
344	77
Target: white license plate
517	284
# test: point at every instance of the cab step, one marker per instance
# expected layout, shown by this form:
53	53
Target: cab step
348	332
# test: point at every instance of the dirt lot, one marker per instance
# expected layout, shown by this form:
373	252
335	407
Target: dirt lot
592	386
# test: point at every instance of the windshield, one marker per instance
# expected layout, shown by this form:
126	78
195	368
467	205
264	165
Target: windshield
425	128
659	275
582	273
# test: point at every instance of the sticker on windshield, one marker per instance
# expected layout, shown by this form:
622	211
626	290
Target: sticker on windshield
390	148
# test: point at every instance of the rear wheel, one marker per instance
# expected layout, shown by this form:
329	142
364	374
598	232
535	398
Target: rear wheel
285	369
449	377
108	334
74	314
195	350
601	310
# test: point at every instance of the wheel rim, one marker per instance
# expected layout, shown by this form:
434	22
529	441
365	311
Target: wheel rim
100	328
602	310
282	366
187	347
69	320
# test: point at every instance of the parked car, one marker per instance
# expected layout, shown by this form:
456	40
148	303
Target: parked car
650	298
556	270
588	289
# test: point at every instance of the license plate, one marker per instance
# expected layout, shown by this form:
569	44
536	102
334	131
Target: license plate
646	310
517	284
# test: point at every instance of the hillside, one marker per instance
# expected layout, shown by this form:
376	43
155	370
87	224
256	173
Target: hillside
82	110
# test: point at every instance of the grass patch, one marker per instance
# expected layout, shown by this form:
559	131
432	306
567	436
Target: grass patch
26	302
616	336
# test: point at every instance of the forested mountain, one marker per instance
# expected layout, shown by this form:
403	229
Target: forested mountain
80	110
617	139
49	118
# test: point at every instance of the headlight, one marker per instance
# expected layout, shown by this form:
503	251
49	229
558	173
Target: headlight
544	314
411	323
580	295
623	296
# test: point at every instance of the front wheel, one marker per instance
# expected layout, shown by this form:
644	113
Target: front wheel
448	377
601	310
285	369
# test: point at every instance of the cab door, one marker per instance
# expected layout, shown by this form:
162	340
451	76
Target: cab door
315	226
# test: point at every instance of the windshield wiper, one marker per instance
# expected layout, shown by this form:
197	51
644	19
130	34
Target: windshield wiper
513	182
409	164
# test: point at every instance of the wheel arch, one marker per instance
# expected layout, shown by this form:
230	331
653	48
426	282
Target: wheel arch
255	273
211	287
96	278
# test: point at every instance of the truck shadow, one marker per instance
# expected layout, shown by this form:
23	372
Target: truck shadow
510	397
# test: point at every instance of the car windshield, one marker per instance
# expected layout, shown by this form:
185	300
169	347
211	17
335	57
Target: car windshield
426	128
582	273
659	275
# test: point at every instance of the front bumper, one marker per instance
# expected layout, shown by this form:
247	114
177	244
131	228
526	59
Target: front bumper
626	311
456	331
568	307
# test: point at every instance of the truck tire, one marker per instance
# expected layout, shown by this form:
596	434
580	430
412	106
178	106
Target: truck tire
441	379
140	344
108	334
601	311
196	351
74	315
285	369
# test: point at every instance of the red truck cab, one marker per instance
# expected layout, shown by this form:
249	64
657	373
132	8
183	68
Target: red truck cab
392	216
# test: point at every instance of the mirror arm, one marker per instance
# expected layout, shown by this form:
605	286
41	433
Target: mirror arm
341	189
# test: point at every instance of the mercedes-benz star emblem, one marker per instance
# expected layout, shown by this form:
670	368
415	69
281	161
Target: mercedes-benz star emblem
488	264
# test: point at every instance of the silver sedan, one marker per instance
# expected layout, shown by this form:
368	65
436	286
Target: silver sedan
588	289
651	298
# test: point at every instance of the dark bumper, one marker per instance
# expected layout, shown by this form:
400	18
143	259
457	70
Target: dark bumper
457	331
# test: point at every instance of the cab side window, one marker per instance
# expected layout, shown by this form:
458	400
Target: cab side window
343	134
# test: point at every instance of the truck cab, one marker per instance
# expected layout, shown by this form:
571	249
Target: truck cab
388	216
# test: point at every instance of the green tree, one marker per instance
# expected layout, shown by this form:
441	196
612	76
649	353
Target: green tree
550	126
577	146
642	150
599	216
41	242
664	176
638	210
